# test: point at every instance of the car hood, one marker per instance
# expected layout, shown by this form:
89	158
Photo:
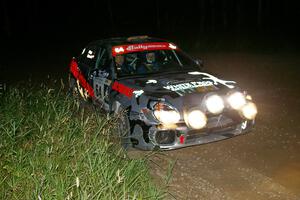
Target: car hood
176	84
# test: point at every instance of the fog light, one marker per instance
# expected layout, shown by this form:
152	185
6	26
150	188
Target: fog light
167	117
165	113
196	119
249	110
165	137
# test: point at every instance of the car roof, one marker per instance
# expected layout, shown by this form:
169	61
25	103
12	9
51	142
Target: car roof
126	40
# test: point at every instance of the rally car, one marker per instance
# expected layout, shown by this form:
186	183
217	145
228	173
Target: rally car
164	98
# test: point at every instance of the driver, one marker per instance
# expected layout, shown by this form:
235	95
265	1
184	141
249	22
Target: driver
121	65
150	64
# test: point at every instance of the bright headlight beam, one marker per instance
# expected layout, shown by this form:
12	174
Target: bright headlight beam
214	104
237	100
167	117
249	111
196	119
166	114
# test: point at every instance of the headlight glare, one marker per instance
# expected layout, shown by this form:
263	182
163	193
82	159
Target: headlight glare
196	119
166	114
237	100
214	104
249	111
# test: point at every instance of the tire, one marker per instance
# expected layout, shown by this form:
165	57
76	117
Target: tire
76	90
123	129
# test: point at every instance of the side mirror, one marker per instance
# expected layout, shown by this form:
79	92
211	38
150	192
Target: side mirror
199	62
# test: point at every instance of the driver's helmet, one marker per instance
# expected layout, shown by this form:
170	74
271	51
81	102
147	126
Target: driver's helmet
150	57
119	60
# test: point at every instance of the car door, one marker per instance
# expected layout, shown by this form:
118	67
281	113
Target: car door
102	77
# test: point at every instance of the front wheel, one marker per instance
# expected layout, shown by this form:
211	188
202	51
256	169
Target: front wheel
123	128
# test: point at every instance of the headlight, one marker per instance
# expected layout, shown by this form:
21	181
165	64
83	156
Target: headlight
249	110
237	100
196	119
166	113
214	104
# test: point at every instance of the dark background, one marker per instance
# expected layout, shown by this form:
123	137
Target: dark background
34	33
254	42
42	21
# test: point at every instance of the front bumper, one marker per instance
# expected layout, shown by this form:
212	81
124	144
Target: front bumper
217	129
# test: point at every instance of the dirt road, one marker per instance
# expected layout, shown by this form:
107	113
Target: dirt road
264	164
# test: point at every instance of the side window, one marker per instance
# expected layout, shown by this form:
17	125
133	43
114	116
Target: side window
102	61
88	56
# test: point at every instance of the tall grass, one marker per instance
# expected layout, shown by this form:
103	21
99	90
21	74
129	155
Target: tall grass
51	148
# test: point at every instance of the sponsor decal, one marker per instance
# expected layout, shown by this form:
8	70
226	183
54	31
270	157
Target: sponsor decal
79	76
90	54
151	81
145	47
99	83
123	89
194	73
172	46
100	73
190	85
119	49
244	125
138	93
215	80
151	46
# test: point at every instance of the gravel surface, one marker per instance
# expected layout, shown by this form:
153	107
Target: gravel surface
262	165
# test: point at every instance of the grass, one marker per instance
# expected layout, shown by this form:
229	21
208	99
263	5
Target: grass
52	148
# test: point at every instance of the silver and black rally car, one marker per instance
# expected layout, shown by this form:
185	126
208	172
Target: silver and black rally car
164	97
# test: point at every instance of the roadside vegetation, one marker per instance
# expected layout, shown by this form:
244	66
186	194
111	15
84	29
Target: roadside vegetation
52	148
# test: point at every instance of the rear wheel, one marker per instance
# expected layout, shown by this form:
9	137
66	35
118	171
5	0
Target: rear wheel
76	90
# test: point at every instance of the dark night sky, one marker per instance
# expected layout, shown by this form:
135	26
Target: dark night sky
47	21
53	31
104	18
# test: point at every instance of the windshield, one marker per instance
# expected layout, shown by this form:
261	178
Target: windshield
149	62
